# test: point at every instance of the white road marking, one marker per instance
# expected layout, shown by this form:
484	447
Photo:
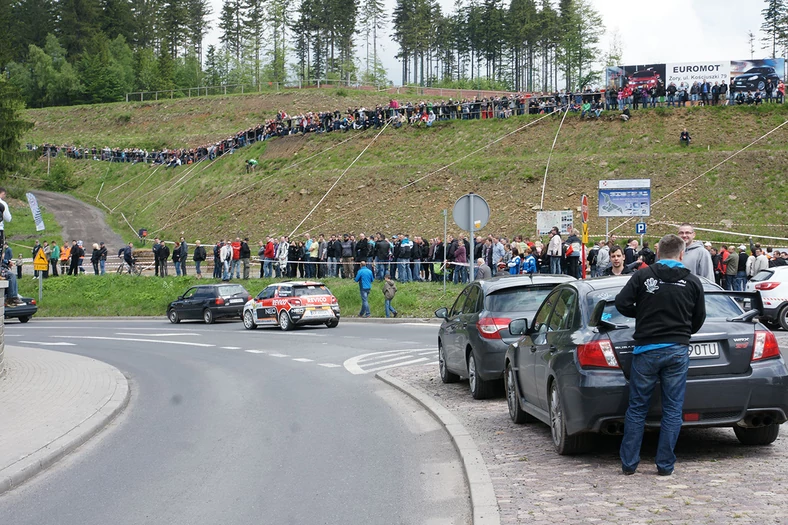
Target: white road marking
329	365
412	362
157	334
230	347
278	355
134	340
63	343
354	364
256	351
303	360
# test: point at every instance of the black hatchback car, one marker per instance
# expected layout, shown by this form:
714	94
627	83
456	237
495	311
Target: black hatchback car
209	302
571	368
474	335
24	310
755	78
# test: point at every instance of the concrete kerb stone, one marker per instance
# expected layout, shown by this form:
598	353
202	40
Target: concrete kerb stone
50	454
484	504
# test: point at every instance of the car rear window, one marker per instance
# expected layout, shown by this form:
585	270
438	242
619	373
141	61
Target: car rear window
301	291
763	275
232	289
516	299
717	306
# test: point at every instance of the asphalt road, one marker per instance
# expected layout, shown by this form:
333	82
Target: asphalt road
233	426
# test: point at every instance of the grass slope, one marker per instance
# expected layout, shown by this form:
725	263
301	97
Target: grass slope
212	200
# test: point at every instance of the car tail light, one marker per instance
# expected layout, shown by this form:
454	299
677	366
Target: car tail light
249	298
295	302
490	327
765	346
219	301
333	300
766	286
691	416
597	354
32	301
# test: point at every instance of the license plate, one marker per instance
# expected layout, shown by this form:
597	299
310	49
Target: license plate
318	313
704	350
235	301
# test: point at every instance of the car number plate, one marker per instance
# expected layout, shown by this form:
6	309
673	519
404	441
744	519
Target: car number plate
234	301
704	350
318	313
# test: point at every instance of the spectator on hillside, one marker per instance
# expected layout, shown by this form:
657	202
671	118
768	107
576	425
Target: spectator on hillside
625	115
684	138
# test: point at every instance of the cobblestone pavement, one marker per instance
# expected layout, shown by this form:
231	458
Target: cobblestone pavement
717	480
50	403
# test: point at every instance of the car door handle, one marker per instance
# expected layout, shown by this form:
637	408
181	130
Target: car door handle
533	349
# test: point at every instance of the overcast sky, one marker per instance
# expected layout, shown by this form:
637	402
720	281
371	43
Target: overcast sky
651	32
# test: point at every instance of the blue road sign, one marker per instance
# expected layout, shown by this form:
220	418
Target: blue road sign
640	228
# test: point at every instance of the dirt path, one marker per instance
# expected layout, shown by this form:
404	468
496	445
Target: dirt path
79	220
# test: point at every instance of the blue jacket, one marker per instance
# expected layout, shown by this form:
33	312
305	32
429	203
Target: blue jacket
529	265
364	278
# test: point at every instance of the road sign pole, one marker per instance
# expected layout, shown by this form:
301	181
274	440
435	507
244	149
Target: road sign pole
471	240
40	285
445	234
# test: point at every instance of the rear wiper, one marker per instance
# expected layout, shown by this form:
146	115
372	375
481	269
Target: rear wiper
746	317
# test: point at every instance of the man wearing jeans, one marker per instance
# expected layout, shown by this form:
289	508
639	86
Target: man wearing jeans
668	305
364	279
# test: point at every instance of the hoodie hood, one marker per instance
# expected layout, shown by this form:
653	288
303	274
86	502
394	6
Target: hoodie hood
694	246
670	274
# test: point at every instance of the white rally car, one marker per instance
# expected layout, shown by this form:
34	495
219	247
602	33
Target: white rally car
772	284
292	303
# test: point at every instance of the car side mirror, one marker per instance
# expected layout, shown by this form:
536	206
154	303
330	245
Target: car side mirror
442	313
518	327
596	313
180	298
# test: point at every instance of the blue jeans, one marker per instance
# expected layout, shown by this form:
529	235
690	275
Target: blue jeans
417	270
669	366
236	267
227	273
390	309
307	267
197	269
671	100
177	265
102	265
268	266
741	280
460	274
381	268
364	303
403	269
555	264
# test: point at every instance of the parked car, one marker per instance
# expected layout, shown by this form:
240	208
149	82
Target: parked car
23	311
755	78
292	303
570	369
474	335
772	284
647	78
209	302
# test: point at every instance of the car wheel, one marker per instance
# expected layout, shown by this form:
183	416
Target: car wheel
782	317
249	320
285	323
516	412
480	389
446	376
173	316
761	85
564	444
757	436
207	316
24	318
333	323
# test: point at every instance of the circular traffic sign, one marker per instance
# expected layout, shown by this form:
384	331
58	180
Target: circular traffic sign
471	220
584	208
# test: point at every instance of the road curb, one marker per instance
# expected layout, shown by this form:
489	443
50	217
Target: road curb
60	447
484	505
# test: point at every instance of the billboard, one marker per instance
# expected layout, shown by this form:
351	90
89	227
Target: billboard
742	75
625	198
545	220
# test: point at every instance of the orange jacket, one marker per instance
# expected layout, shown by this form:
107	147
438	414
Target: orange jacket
65	252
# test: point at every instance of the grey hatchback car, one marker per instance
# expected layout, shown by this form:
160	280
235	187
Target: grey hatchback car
474	335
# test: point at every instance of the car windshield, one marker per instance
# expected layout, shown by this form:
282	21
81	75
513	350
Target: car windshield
232	289
717	306
517	299
756	70
643	74
302	291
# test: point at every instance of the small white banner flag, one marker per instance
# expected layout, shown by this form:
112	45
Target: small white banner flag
31	199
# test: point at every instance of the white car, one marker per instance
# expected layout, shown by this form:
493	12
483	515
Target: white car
772	283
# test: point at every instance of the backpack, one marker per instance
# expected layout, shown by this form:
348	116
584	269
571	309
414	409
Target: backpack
591	257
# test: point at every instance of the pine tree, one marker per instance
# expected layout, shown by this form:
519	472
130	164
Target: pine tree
775	24
197	24
231	25
254	29
373	19
78	23
117	18
12	126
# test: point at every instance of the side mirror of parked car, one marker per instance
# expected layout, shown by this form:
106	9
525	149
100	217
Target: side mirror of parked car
518	327
442	313
180	298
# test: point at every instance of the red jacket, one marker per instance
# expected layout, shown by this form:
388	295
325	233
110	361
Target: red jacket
236	250
269	252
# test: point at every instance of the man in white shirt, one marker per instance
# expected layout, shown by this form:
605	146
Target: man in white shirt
554	251
6	216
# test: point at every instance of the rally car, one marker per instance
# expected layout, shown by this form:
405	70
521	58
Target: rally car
292	303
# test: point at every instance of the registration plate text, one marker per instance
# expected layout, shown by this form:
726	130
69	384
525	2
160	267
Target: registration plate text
704	350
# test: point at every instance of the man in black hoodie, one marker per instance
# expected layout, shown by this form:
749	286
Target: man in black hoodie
668	305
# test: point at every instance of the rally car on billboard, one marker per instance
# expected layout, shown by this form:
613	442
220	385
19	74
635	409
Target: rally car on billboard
755	78
647	78
292	303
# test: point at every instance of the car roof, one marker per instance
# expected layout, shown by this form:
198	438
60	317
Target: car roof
511	281
299	283
617	281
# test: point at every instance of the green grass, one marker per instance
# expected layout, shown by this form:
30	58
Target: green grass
125	295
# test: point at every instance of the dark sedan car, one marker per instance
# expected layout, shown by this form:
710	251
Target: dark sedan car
23	311
474	335
571	368
755	78
209	302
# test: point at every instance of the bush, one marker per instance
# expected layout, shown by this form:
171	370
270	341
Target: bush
61	176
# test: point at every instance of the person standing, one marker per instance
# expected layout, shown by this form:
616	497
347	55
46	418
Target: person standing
102	258
389	290
176	258
482	270
74	255
245	254
731	268
199	257
184	255
36	248
668	305
54	257
269	254
155	249
697	258
554	251
6	216
164	256
217	260
364	279
65	257
235	246
94	258
47	255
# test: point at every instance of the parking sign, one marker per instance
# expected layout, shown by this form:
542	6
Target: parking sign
640	228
